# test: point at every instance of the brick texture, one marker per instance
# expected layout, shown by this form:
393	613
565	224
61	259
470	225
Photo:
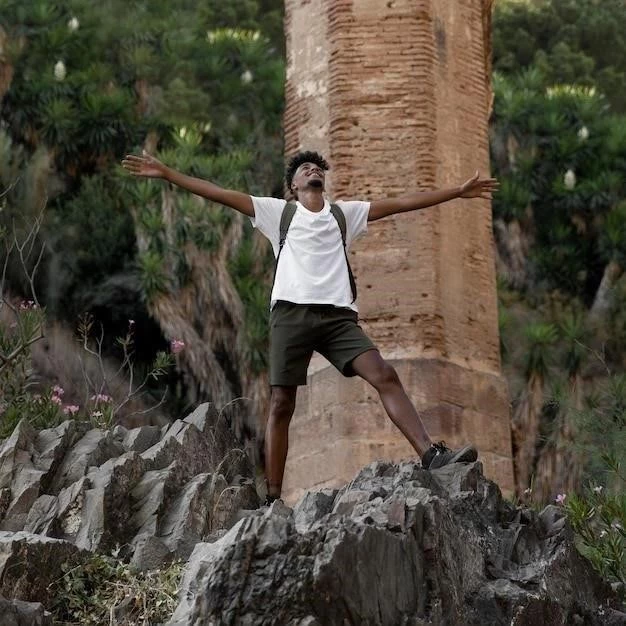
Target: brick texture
396	94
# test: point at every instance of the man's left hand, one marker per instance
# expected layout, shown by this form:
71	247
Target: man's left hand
477	187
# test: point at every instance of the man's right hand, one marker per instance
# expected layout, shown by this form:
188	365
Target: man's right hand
144	165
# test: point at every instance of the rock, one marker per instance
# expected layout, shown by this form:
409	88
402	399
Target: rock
15	452
155	490
398	545
312	507
29	563
107	505
92	450
141	438
150	552
18	613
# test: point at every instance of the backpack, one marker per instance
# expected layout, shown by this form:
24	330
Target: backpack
285	221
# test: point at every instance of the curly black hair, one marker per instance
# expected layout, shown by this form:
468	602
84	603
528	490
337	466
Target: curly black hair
303	157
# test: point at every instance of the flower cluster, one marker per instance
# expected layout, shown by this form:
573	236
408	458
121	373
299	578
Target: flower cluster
176	345
57	398
28	305
57	395
101	397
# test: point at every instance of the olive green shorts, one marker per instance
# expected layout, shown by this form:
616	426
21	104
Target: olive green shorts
296	330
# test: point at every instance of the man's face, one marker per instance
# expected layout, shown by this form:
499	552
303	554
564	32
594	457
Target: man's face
309	175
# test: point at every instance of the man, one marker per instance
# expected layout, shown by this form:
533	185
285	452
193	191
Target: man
313	300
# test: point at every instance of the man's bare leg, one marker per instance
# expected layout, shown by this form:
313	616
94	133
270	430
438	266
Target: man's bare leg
282	406
383	377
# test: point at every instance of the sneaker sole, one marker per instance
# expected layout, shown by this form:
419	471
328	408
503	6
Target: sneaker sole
468	454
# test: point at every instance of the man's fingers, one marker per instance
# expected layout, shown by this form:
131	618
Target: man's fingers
135	159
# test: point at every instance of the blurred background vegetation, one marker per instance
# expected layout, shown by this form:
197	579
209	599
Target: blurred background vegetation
201	85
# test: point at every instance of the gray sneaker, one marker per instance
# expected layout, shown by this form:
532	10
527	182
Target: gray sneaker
439	455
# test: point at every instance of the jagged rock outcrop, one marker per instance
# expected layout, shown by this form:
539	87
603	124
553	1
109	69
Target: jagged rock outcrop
396	546
154	492
18	613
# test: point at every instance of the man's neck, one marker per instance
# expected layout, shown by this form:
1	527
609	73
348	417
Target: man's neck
312	199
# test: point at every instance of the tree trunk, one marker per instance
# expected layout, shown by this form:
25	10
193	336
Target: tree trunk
602	300
559	463
512	252
208	315
525	432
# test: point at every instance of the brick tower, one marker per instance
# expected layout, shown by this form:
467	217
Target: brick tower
395	94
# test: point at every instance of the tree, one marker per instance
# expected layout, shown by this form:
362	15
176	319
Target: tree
527	413
560	462
571	41
84	87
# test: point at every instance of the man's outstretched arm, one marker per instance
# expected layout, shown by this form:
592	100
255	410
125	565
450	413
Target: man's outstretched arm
475	187
149	167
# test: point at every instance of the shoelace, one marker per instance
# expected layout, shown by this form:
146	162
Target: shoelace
440	447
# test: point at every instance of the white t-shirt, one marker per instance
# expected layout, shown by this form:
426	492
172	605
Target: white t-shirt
312	267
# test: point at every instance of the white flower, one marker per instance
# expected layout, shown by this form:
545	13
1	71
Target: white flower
569	179
246	77
598	489
73	24
583	133
59	71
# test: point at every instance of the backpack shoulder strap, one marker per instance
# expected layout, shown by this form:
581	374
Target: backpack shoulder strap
285	221
286	217
338	214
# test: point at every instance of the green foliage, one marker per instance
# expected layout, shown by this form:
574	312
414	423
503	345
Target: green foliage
574	335
598	518
91	236
562	164
250	275
612	240
91	82
602	426
90	593
570	41
541	338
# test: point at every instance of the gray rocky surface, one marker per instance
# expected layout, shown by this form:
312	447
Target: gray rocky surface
396	546
155	492
19	613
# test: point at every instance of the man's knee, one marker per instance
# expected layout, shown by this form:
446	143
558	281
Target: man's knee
385	376
282	403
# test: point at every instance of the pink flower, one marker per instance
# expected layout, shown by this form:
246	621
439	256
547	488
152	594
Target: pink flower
70	409
177	345
560	499
96	414
58	391
101	397
56	400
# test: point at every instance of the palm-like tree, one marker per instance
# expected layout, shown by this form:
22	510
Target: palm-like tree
613	248
527	413
189	252
559	465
